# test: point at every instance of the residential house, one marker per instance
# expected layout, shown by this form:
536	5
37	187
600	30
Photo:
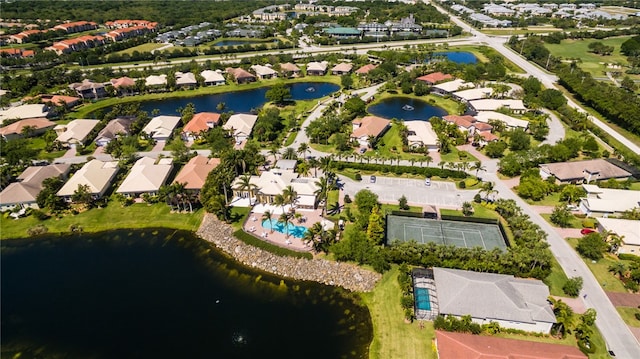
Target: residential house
286	165
77	26
17	53
240	75
434	78
60	100
604	202
489	21
26	128
342	69
421	134
240	126
123	24
75	132
194	174
515	106
128	32
199	124
626	229
342	32
124	85
146	176
160	128
95	174
472	94
446	88
117	127
583	171
465	123
365	69
213	78
186	80
289	70
264	72
156	82
317	68
514	303
407	25
24	192
452	345
509	121
24	112
76	44
88	89
272	183
498	10
368	126
24	36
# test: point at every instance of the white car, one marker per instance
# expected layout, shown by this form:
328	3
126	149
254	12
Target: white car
427	181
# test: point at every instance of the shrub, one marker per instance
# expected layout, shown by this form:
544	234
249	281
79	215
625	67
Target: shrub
637	315
406	302
632	286
586	347
462	184
347	199
37	230
358	177
40	215
589	223
572	286
477	198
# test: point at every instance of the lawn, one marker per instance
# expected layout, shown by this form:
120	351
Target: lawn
141	48
556	279
114	216
628	315
479	211
393	338
521	30
590	62
574	222
600	270
454	157
550	200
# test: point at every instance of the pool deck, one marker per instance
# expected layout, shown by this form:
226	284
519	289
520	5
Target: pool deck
253	225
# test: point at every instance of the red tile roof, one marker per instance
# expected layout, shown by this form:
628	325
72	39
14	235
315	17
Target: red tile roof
59	100
370	126
488	136
200	122
482	127
435	77
462	121
123	82
16	127
365	69
468	346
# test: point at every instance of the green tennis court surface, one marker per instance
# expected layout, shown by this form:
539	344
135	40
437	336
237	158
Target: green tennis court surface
459	234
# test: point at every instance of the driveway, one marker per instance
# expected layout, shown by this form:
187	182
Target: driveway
390	189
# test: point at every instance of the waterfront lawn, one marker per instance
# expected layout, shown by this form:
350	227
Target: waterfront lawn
111	217
238	216
600	270
392	337
628	315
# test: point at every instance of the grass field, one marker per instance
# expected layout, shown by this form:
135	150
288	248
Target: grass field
521	30
628	315
111	217
574	222
590	62
141	48
600	270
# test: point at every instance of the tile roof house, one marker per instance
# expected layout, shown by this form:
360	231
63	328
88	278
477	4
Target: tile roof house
24	112
241	126
434	78
289	70
124	85
213	78
186	80
516	106
160	128
116	127
75	132
146	176
201	122
88	89
468	124
60	100
583	171
240	75
317	68
368	126
156	81
365	69
264	72
341	69
602	202
25	190
272	183
510	121
194	173
445	88
473	94
421	134
452	345
628	230
487	297
77	26
95	174
37	126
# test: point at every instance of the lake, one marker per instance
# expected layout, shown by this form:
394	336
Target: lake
460	57
239	101
405	108
165	294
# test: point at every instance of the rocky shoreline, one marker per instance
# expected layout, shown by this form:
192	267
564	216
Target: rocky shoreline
344	275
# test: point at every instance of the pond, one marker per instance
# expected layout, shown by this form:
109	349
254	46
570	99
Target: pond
165	294
460	57
405	108
239	101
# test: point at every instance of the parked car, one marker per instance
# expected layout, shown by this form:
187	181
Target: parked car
363	150
585	231
373	179
427	181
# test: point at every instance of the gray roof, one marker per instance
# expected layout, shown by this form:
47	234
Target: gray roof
492	296
29	183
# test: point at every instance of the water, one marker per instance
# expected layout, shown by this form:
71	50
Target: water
239	101
460	57
296	231
395	107
422	298
164	294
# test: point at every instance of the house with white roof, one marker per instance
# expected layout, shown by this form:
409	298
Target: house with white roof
117	127
273	182
510	121
213	78
583	171
421	134
95	174
146	176
241	126
627	230
448	87
317	68
186	80
264	72
515	303
473	94
24	112
24	192
603	202
160	128
515	106
75	132
156	81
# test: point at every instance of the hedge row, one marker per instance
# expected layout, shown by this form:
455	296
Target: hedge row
272	248
629	257
424	171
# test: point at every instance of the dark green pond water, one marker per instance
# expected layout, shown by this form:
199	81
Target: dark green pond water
164	294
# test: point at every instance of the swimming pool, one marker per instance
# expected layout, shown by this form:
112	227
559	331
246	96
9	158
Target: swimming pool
296	231
423	301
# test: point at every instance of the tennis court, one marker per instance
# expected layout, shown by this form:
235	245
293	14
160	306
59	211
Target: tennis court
459	234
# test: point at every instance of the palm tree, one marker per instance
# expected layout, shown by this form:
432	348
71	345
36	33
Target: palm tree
279	200
246	185
303	149
290	195
322	192
325	163
441	164
267	216
303	169
289	154
428	159
477	166
314	163
451	165
273	151
285	219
